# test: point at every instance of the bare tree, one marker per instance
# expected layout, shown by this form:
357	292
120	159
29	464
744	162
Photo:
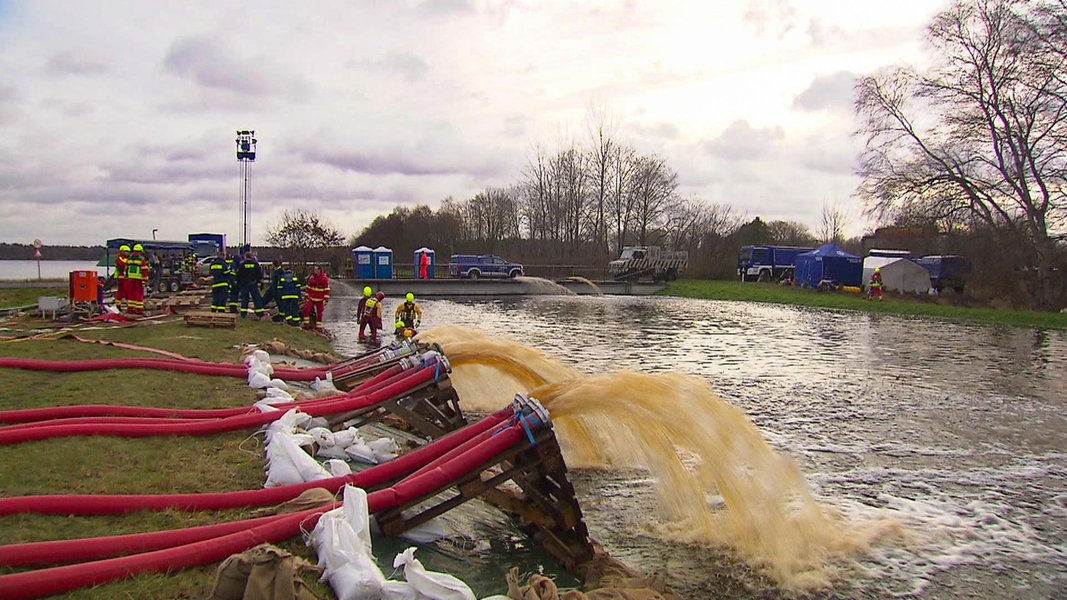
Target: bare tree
654	183
979	137
621	199
599	165
790	233
834	222
303	236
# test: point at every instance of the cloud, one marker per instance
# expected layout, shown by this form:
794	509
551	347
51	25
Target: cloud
72	63
775	18
741	141
832	93
209	63
405	64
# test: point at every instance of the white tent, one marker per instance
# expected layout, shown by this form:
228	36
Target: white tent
898	274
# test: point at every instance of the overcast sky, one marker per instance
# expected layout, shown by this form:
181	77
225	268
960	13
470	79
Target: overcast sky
117	118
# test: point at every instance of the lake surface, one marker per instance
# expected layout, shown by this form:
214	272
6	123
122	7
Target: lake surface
19	270
956	432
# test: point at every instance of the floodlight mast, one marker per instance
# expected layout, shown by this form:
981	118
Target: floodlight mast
246	155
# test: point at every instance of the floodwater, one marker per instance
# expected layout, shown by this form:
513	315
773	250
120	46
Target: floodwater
748	450
21	270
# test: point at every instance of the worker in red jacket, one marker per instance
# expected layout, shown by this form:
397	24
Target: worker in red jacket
316	295
137	272
122	259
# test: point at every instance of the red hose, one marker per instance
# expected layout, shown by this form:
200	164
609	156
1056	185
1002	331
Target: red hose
212	426
113	410
90	504
163	364
44	582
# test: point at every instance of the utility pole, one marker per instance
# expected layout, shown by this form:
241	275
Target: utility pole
246	155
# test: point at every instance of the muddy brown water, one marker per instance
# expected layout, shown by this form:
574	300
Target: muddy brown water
933	451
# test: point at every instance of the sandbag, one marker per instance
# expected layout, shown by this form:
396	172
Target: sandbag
342	542
431	584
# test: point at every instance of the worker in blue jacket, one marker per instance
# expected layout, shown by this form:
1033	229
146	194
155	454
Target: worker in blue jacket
287	294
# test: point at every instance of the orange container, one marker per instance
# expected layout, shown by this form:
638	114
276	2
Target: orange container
83	286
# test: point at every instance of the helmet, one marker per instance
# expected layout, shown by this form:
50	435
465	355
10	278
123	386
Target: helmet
399	324
380	295
124	248
878	269
410	297
138	247
367	292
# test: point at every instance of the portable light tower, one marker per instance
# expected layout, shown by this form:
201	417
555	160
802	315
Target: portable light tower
246	155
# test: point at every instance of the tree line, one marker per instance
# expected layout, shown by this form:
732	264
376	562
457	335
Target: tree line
972	148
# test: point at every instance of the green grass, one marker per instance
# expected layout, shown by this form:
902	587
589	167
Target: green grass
895	304
101	464
25	296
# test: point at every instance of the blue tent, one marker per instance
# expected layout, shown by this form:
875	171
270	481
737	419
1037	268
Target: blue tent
828	264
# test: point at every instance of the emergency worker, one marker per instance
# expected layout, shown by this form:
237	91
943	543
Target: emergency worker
287	294
220	282
137	272
122	260
409	312
372	315
272	287
317	294
874	288
249	274
402	331
362	304
231	277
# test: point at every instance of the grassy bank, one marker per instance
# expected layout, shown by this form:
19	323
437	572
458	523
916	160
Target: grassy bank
914	306
25	296
95	465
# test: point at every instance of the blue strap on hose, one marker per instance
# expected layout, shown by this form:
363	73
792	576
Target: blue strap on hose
526	427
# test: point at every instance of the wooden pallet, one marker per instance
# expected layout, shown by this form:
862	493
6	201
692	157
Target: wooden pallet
211	319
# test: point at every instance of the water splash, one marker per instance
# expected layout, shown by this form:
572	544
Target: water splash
544	286
718	482
596	288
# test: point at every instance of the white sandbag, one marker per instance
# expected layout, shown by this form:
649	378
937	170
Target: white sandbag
322	435
384	449
342	542
331	452
428	532
346	437
337	467
279	394
287	463
361	452
399	590
258	367
258	380
280	384
324	385
431	584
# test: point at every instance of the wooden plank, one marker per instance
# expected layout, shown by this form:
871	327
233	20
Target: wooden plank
210	319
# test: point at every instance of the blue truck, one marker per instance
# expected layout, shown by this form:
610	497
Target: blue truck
947	271
474	266
768	263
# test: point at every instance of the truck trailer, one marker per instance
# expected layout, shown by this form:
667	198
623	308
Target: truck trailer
768	263
648	262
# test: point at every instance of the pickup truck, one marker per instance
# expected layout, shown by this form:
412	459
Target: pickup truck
474	266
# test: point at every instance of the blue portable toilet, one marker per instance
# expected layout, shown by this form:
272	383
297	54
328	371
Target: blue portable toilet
383	263
418	263
363	262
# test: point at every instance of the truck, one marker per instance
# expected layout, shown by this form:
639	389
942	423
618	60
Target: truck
768	263
206	245
651	262
169	263
947	271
